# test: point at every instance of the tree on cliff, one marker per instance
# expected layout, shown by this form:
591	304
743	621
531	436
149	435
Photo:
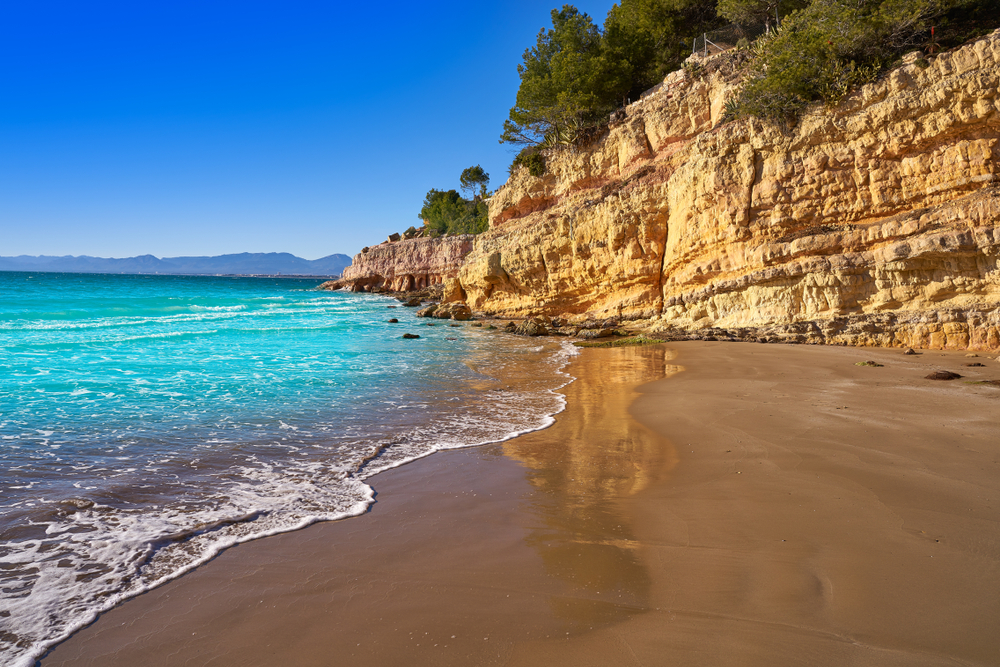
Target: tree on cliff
756	12
472	178
577	73
446	212
648	39
564	80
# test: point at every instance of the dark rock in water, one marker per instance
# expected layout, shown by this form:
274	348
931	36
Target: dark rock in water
410	336
975	365
458	325
413	303
477	324
510	326
490	326
428	311
391	306
393	321
450	338
431	324
909	350
943	375
590	334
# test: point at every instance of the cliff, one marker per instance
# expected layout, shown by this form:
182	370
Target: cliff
408	264
874	222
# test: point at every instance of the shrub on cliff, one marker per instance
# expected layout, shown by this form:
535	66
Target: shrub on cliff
531	160
825	50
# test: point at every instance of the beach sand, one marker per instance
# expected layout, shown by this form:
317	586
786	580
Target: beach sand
762	505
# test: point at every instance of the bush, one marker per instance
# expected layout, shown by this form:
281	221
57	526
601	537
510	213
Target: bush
532	160
831	47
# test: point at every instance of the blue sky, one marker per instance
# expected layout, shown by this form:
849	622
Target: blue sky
204	128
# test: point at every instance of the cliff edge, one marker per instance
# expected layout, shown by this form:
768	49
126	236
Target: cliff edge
404	265
876	222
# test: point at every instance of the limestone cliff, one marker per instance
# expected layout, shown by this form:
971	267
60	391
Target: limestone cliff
874	222
409	264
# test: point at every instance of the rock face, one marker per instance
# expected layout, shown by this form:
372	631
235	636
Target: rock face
405	265
876	222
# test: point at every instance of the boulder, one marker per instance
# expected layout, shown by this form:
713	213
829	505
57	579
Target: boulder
428	311
410	336
413	303
943	375
453	311
533	327
590	334
452	291
393	321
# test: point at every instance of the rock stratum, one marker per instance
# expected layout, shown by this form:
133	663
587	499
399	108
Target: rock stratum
875	222
405	265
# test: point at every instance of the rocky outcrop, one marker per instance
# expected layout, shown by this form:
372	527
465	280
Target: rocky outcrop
874	222
405	265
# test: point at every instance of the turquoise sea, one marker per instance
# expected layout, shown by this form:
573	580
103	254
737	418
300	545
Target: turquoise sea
148	422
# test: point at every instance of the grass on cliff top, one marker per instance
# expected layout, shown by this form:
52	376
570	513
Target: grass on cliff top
620	342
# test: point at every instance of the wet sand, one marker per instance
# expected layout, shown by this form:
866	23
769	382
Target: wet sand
766	505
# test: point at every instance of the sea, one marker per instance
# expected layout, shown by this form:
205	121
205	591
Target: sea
149	422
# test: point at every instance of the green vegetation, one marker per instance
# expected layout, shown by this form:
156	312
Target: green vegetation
447	212
578	73
531	159
472	178
830	47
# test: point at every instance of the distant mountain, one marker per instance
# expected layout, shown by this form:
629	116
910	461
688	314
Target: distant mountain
246	263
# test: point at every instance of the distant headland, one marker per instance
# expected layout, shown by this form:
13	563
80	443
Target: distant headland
244	264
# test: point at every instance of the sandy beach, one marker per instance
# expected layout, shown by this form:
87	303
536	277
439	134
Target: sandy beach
697	503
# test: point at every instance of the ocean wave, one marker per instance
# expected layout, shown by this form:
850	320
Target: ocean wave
168	447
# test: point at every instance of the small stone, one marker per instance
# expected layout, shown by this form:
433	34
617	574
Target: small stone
972	354
458	325
975	365
909	350
393	321
477	324
943	375
391	306
431	324
410	336
873	364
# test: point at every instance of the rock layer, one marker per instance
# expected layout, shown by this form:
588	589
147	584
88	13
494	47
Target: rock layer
874	222
402	266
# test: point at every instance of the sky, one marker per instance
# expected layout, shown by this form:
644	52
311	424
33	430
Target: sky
206	128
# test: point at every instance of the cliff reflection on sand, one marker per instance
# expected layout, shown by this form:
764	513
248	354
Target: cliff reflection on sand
580	526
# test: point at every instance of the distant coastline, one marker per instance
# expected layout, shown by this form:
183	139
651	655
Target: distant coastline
272	264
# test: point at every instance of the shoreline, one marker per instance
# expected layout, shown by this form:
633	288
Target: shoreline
611	538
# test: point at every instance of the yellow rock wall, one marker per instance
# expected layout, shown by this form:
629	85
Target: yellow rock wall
875	222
